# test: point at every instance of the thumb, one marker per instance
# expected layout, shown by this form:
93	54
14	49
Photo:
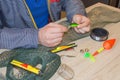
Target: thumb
77	19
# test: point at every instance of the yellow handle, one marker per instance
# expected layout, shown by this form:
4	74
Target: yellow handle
25	66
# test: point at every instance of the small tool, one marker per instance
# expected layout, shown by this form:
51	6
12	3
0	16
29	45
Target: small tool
25	66
64	47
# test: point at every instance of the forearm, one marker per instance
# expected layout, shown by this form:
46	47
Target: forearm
11	38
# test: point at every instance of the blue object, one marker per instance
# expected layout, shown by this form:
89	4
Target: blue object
39	11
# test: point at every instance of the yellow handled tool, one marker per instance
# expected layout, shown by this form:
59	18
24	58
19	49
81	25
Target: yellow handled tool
61	48
25	66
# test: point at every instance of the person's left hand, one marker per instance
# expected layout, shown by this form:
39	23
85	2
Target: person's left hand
84	23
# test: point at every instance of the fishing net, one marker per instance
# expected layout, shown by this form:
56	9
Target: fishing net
47	62
99	16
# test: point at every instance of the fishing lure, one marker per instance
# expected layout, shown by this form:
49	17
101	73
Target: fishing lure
108	44
73	25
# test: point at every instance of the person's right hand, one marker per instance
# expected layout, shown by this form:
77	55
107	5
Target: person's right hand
51	34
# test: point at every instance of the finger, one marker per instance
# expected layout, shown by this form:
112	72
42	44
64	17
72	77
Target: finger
54	36
76	29
86	29
79	30
53	45
85	24
54	42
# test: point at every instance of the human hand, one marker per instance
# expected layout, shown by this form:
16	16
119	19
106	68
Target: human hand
84	23
51	34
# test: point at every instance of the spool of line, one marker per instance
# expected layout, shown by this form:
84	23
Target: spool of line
99	34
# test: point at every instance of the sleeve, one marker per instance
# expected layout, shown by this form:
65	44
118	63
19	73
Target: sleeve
11	38
73	7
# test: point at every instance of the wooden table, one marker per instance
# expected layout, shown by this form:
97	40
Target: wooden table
107	65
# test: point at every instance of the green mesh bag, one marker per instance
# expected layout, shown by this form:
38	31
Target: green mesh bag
49	62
